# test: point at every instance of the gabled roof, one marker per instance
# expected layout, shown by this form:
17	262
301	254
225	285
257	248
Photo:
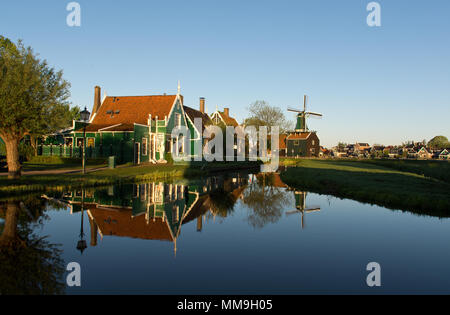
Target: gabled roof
128	110
193	113
299	136
444	152
229	121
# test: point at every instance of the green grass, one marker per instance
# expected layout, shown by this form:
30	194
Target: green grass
61	182
373	183
41	163
435	169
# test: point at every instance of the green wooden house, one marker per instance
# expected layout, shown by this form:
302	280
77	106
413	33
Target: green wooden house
135	129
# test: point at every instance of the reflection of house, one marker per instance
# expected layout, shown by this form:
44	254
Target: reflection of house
153	211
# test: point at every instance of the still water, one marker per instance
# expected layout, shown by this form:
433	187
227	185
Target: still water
228	234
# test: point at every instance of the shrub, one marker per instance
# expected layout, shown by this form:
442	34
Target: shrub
26	151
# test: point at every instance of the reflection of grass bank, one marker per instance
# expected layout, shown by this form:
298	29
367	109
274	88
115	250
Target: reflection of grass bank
371	183
60	182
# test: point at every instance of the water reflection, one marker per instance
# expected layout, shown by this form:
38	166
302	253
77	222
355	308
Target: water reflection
29	263
152	211
158	210
301	207
256	214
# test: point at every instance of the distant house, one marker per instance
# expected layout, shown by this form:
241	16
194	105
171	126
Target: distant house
303	144
282	145
361	147
444	155
223	118
424	154
196	134
324	152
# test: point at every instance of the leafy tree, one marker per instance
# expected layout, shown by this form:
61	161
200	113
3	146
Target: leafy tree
439	142
33	99
262	114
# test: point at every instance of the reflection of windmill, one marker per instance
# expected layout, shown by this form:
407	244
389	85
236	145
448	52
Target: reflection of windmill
302	115
300	203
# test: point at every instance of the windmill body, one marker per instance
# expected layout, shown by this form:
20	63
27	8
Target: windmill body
302	142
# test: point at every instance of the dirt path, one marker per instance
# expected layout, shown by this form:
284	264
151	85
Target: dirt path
58	172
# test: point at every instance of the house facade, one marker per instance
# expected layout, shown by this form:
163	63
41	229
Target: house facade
135	129
302	144
224	119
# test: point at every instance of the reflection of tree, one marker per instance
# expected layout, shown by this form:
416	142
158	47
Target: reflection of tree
265	201
222	203
28	264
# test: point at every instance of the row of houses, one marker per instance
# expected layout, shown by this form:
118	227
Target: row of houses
138	129
412	150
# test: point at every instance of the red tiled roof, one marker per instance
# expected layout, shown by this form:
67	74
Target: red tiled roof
229	121
133	109
121	223
299	136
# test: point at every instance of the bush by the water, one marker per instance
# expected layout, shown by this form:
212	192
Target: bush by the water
55	160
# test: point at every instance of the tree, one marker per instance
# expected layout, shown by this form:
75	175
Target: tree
32	98
61	117
439	142
262	114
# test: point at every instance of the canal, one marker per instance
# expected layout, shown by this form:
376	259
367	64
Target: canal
229	234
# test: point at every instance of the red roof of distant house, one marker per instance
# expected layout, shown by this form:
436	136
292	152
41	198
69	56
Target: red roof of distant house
128	110
229	121
299	136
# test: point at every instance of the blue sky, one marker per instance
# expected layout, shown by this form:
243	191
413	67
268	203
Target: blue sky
378	85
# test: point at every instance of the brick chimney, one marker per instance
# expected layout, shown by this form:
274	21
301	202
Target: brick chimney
202	105
97	100
226	111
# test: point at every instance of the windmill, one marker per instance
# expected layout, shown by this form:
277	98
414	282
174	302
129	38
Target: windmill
302	115
300	202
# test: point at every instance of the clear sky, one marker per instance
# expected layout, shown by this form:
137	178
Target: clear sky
379	85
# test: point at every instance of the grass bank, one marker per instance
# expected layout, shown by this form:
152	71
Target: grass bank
130	174
373	182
